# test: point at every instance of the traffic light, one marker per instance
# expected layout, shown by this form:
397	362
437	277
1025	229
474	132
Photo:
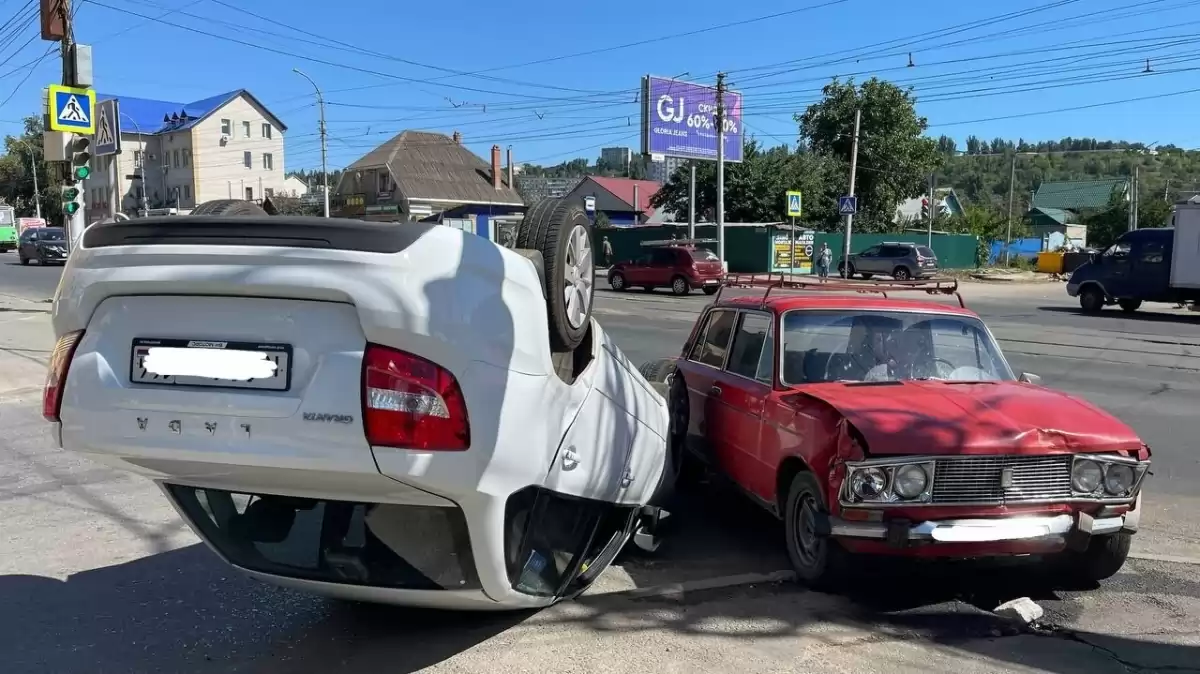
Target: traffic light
72	199
80	150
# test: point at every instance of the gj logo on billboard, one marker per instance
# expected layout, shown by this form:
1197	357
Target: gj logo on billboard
679	120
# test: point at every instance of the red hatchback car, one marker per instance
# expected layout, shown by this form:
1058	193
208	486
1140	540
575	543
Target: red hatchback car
889	426
680	265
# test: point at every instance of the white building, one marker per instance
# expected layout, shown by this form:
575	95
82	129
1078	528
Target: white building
294	187
178	155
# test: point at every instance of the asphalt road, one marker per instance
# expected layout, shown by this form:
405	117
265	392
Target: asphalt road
31	281
97	574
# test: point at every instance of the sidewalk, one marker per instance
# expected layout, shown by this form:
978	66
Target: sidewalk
26	341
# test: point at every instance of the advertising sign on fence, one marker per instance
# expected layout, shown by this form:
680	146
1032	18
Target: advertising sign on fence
679	120
782	253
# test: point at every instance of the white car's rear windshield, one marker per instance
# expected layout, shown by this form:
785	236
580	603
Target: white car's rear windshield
824	346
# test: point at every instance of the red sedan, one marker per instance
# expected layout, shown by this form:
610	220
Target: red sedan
890	426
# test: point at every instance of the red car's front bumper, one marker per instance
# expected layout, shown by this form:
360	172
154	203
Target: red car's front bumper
1051	530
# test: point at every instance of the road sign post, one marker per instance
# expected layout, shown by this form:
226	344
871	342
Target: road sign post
795	203
71	109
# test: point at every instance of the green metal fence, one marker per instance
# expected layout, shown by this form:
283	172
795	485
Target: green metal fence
751	248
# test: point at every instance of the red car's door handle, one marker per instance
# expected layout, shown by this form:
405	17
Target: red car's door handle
715	390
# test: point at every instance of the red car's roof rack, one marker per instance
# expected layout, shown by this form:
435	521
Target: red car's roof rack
676	242
931	286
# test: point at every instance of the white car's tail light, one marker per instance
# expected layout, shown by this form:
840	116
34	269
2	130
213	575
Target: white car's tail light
411	403
56	374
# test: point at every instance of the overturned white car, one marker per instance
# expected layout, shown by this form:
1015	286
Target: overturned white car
400	413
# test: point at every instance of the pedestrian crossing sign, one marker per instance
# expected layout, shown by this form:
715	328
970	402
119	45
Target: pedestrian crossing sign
794	201
71	109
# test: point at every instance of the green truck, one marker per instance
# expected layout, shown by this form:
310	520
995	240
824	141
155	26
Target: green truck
8	228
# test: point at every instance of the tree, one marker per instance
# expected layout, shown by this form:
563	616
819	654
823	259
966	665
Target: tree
984	222
755	189
1104	227
16	174
601	221
894	157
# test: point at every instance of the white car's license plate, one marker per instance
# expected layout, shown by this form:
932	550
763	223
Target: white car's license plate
211	363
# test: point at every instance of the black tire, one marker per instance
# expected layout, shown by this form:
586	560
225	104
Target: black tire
680	286
842	267
616	281
820	562
229	207
560	229
900	274
1103	558
24	260
711	290
1091	299
1129	306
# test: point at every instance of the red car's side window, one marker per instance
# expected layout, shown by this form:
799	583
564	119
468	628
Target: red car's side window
713	344
752	354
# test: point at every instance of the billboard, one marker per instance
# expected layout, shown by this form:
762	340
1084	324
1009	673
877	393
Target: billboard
678	120
785	258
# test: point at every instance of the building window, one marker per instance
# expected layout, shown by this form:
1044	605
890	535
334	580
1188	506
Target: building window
187	192
268	162
247	160
175	159
249	194
226	127
245	129
187	157
385	182
137	159
266	130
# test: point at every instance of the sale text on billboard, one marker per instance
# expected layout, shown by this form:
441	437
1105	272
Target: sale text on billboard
679	120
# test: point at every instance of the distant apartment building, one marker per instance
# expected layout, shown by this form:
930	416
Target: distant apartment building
536	188
617	157
661	171
178	155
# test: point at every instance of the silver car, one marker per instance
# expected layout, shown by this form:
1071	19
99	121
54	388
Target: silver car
901	260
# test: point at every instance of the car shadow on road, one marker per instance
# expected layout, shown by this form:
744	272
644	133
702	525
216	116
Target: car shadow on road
185	611
1148	316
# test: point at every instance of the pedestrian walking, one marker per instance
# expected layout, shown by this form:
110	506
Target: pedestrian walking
824	259
606	248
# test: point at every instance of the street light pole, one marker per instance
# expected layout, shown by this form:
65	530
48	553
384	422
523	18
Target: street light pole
321	106
37	197
1012	181
142	143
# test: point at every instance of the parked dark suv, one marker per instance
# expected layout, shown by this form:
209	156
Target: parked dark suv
902	261
677	265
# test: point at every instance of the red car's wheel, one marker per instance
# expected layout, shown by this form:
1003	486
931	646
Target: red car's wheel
819	561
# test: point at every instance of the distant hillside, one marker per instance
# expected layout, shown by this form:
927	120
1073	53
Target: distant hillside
981	176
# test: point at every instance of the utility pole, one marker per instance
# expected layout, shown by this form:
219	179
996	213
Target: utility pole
850	216
721	170
324	165
692	201
37	196
932	186
1012	183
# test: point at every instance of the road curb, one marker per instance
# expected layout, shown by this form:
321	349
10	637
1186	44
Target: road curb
1173	559
680	589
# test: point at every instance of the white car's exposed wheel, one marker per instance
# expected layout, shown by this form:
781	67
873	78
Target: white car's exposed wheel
562	232
228	207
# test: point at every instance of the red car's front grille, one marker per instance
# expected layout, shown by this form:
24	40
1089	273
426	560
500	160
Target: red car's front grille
1001	479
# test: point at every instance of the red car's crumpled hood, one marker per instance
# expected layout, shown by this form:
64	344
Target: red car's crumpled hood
931	417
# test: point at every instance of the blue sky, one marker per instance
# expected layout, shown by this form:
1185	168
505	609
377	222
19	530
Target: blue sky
551	106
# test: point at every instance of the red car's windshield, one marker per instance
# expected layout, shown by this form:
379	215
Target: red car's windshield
823	346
